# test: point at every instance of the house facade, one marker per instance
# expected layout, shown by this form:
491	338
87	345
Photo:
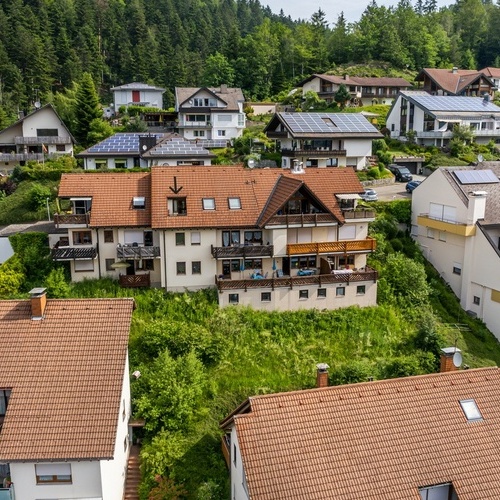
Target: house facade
456	223
322	139
212	114
428	437
38	135
458	82
433	117
269	238
65	397
137	94
364	91
132	149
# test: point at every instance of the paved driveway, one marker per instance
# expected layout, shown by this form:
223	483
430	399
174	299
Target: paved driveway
395	191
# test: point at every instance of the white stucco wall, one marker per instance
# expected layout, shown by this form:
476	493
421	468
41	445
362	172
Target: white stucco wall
86	482
238	491
124	97
314	85
90	163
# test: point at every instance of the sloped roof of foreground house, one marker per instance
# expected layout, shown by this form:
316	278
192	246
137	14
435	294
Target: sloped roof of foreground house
66	374
383	439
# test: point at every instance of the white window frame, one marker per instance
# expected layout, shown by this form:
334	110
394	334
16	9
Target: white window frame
208	203
58	473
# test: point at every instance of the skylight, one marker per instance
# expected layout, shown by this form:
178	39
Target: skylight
139	202
471	410
329	122
208	203
234	203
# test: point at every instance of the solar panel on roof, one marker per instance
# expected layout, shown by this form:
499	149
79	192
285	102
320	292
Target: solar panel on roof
454	103
328	122
476	176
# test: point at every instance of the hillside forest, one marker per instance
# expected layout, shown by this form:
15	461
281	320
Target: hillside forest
47	45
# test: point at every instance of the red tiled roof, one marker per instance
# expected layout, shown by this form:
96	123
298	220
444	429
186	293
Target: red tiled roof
66	374
491	72
253	187
361	80
112	195
452	81
374	440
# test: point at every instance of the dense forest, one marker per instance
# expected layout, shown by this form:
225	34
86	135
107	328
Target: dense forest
46	45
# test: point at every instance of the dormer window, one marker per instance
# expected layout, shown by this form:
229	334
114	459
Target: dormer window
4	401
234	203
208	203
177	206
138	202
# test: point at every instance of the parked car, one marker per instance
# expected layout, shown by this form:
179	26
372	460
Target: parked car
369	195
401	173
410	186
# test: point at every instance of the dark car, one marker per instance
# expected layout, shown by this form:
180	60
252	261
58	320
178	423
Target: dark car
402	174
412	185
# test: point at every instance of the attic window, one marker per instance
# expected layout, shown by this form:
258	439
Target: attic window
471	410
138	202
329	122
234	203
208	203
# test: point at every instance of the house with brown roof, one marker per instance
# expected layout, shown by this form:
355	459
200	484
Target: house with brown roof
364	91
38	135
322	139
456	221
428	437
271	238
459	82
64	397
213	114
137	94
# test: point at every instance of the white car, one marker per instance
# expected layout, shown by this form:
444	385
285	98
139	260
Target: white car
369	195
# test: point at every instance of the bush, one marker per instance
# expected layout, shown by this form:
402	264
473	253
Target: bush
38	196
373	173
379	145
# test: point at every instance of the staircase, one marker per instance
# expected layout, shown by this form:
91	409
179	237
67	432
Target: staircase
133	475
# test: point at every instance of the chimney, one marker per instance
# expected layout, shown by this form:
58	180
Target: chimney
451	359
346	76
454	70
477	206
38	302
223	88
146	142
322	375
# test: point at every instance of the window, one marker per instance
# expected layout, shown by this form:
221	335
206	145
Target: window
442	235
199	133
303	294
196	267
348	260
471	410
109	263
340	291
253	264
221	133
148	238
53	473
177	206
145	265
234	298
81	207
224	118
180	239
234	454
47	132
476	300
457	268
265	297
61	148
138	202
82	238
120	163
253	237
108	236
321	292
84	265
241	120
305	261
430	233
4	400
195	238
208	203
230	238
101	164
189	162
438	492
181	267
234	203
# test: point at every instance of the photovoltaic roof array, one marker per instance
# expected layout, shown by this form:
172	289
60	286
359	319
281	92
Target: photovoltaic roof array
176	146
119	143
454	103
325	123
476	176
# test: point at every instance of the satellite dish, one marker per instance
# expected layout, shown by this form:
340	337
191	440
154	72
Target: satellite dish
144	147
251	163
457	359
480	158
38	104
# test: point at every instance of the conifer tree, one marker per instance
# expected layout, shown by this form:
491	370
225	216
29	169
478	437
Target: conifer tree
88	108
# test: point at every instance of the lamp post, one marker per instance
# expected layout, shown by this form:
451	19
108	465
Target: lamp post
48	208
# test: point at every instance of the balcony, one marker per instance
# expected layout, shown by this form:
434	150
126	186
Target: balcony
127	252
435	134
277	134
42	140
320	280
302	220
72	219
7	494
322	152
453	227
358	214
134	280
242	251
21	157
332	247
74	253
185	124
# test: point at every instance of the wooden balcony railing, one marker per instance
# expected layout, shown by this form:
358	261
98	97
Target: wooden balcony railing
367	274
358	214
332	247
226	451
74	253
301	219
314	152
47	139
242	251
72	219
134	280
130	252
21	157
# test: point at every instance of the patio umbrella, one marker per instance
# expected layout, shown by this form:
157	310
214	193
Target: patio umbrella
120	264
274	264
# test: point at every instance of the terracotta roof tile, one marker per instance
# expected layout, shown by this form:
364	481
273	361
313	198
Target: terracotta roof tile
66	373
375	440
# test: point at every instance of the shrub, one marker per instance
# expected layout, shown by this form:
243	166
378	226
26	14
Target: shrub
38	195
379	145
373	173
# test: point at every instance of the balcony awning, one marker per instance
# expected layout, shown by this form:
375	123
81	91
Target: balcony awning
348	196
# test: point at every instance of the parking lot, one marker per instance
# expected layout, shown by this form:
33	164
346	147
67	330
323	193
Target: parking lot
395	191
